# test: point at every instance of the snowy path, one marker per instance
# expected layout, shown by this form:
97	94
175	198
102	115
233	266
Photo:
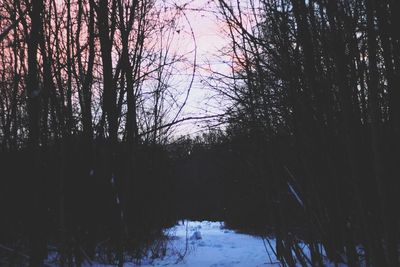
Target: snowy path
209	244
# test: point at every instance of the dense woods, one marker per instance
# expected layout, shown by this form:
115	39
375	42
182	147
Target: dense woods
307	151
84	95
315	87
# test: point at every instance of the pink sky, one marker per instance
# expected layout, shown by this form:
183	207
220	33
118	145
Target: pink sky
210	40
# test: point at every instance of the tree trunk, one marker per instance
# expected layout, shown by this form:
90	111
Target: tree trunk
37	238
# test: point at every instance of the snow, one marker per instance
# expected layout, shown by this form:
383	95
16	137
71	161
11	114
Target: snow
295	195
196	236
210	244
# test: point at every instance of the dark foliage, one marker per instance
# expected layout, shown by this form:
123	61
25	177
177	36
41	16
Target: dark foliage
91	207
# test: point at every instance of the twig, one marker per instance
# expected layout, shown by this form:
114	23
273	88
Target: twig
4	33
14	251
181	120
273	250
266	249
85	255
181	256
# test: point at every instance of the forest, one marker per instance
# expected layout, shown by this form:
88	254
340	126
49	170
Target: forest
304	149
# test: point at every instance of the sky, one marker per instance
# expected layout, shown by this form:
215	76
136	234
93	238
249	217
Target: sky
209	40
212	35
199	18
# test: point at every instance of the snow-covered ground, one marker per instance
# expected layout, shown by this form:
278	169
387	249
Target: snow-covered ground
210	244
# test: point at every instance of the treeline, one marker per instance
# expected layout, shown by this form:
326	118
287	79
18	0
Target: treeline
86	101
316	120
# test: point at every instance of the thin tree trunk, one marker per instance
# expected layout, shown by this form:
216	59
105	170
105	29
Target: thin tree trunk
37	239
